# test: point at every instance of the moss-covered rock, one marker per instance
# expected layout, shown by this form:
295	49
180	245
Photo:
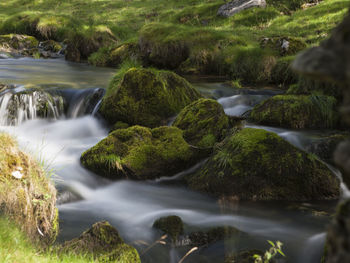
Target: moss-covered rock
282	73
292	111
203	122
27	196
20	45
146	97
51	45
255	164
170	225
103	242
141	153
285	46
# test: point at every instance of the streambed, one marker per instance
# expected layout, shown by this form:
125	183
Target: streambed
132	207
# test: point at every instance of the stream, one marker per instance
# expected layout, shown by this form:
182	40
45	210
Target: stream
72	125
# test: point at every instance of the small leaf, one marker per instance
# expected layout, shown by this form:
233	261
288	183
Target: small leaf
271	243
280	251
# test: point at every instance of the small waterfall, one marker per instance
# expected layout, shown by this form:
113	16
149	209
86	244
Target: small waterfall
17	107
20	104
85	101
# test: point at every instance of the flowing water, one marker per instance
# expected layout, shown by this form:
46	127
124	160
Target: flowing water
69	126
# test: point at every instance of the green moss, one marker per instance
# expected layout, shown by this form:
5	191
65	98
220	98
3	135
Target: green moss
255	164
170	225
146	97
298	112
102	242
141	153
204	122
282	73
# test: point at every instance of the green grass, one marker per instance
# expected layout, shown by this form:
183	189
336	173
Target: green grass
180	30
15	247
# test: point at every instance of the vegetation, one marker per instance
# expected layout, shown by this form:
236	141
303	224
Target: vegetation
26	195
275	249
146	97
254	164
141	153
204	122
16	247
182	35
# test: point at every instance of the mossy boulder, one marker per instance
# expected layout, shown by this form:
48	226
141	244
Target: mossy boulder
27	197
51	45
141	153
285	46
203	122
146	97
103	242
254	164
170	225
298	112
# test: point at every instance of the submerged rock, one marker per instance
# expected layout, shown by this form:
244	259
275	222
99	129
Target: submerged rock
237	6
245	256
255	164
297	112
170	225
103	242
203	122
27	197
146	97
141	153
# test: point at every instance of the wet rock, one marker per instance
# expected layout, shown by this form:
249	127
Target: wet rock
203	122
27	197
203	239
51	45
325	146
146	97
170	225
141	153
237	6
103	242
30	104
19	45
254	164
285	46
297	112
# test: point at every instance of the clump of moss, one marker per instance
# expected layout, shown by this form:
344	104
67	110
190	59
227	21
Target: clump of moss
103	242
80	45
26	195
170	225
255	164
141	153
146	97
282	73
203	122
292	111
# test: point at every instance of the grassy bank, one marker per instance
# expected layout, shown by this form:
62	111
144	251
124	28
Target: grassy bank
186	36
15	247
